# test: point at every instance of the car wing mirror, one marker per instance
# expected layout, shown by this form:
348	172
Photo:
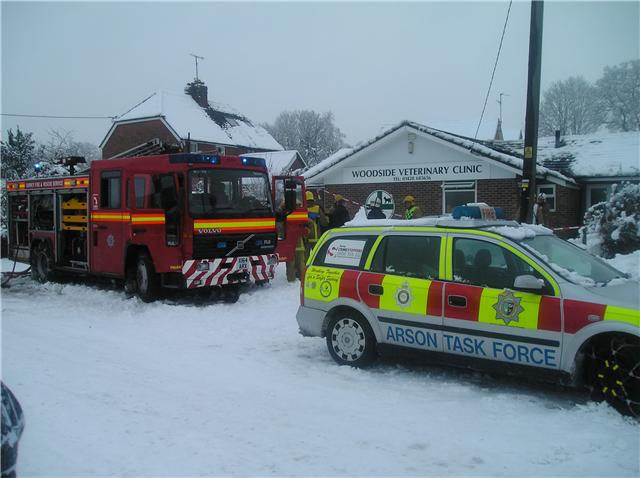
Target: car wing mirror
528	282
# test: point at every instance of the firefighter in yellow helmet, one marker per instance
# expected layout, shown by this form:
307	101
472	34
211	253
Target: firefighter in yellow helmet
411	211
318	220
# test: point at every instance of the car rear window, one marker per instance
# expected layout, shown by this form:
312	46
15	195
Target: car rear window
344	252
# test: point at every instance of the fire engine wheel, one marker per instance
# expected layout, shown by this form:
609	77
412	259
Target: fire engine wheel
42	263
147	281
613	373
350	340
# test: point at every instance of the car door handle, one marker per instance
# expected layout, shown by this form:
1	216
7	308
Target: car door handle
376	289
457	301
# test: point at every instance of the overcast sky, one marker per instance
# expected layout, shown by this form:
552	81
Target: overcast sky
371	64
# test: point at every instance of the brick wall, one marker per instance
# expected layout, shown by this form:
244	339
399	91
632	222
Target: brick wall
127	136
495	192
567	211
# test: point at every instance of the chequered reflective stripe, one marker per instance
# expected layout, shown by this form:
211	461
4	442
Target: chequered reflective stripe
147	219
234	225
258	268
114	216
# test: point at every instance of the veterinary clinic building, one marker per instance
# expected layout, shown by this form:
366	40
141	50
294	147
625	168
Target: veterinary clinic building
441	170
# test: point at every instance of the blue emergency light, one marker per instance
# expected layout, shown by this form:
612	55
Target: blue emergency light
249	161
478	212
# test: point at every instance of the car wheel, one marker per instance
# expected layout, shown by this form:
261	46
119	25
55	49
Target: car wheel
147	281
350	340
613	373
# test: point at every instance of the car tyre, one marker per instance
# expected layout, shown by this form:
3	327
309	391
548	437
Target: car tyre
350	340
613	373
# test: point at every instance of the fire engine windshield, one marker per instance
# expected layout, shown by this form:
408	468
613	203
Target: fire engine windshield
229	193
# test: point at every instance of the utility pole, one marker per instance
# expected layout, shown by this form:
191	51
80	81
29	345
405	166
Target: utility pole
533	107
197	58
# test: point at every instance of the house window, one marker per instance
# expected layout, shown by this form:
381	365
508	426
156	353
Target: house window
549	190
596	194
457	193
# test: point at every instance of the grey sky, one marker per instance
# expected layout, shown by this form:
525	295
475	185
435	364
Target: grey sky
372	64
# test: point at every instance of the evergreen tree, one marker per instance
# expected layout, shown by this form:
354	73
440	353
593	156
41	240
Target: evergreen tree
18	155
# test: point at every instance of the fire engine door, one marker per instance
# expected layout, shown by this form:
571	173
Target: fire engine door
291	223
108	218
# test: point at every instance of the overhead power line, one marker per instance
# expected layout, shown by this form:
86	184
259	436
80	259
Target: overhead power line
58	117
504	29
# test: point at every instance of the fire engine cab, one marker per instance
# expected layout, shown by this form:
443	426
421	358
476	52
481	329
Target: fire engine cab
171	220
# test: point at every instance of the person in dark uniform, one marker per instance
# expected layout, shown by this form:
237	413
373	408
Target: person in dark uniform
338	214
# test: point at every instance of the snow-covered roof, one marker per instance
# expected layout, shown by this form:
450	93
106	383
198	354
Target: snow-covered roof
279	162
473	146
591	155
186	117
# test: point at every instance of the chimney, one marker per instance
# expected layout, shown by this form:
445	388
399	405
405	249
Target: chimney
558	142
198	91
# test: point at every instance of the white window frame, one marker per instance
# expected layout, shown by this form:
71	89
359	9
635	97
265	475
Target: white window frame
552	195
459	186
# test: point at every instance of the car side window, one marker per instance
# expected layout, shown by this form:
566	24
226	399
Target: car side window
486	264
411	256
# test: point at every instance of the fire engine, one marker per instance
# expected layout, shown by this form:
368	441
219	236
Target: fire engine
165	221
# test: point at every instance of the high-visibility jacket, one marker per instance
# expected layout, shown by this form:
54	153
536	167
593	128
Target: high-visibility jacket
412	212
317	219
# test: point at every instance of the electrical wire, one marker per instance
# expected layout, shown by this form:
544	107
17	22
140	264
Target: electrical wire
504	29
59	117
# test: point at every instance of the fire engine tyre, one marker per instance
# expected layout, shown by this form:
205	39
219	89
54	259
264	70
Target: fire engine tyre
350	340
147	281
42	263
613	373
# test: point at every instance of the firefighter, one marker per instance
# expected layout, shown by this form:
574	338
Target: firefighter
296	264
317	221
540	210
411	210
338	214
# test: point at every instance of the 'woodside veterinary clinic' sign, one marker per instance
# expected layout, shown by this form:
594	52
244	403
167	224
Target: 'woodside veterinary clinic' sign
429	172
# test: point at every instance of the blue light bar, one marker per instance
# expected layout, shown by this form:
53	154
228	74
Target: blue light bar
194	158
478	212
249	161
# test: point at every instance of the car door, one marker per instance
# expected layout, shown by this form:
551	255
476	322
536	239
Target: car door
404	289
487	317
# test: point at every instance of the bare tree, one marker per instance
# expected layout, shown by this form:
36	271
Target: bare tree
571	106
313	134
62	144
620	89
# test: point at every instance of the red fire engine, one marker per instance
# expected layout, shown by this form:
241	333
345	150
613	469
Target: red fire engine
172	220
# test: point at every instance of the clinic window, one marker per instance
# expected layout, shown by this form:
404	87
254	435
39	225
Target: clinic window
110	190
549	191
411	256
457	193
597	194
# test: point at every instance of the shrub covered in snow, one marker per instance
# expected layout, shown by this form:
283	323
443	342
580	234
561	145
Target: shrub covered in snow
615	224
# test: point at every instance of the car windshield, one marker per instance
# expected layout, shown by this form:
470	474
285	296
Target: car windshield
573	263
229	193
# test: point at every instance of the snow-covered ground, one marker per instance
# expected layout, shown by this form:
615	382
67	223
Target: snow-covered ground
111	386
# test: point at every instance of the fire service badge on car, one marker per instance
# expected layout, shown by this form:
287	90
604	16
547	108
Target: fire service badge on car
508	307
